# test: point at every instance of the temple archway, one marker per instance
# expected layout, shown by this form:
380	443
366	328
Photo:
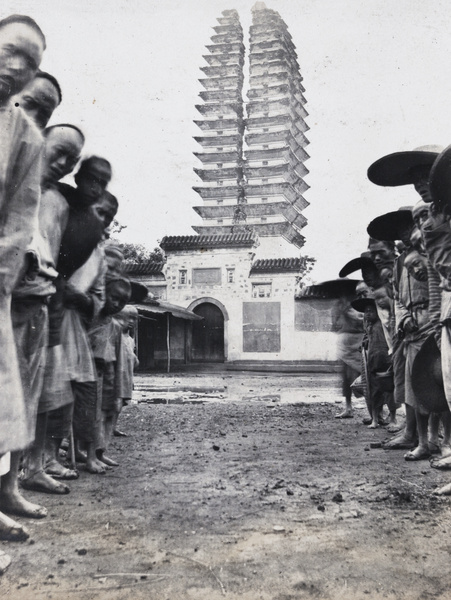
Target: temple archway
208	341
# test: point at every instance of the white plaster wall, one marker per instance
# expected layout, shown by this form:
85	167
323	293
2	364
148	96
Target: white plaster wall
295	345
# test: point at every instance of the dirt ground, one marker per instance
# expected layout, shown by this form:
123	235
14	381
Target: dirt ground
241	486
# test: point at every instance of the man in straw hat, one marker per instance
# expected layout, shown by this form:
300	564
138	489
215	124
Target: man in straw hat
397	169
436	232
416	321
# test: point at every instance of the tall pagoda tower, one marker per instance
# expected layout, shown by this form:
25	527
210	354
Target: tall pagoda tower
253	168
222	127
275	130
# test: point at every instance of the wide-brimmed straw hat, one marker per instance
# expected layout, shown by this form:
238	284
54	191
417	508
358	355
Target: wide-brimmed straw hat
440	179
427	378
361	263
401	168
391	225
333	288
359	304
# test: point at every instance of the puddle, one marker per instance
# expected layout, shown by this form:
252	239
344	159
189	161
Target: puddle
301	396
270	391
170	401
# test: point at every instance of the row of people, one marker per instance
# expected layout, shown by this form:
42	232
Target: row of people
66	366
405	302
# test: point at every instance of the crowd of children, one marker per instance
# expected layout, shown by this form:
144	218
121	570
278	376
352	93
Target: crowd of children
404	297
67	363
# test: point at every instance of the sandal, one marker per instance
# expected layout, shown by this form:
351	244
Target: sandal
36	486
411	456
58	471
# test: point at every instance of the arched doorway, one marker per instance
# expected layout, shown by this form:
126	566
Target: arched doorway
208	334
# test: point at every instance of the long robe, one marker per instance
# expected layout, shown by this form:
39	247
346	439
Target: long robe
413	302
42	370
20	173
438	247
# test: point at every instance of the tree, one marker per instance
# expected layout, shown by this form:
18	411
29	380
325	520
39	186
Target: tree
139	253
308	262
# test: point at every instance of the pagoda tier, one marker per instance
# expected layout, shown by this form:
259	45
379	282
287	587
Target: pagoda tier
219	157
228	48
221	82
298	154
273	45
280	75
220	60
221	109
225	95
216	174
228	70
257	69
217	124
270	93
290	192
283	135
290	172
227	211
289	117
229	27
272	106
273	153
215	193
216	140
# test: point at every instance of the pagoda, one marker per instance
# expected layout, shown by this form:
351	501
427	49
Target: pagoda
253	168
222	126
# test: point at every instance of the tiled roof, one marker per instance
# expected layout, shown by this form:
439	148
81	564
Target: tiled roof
193	242
142	268
277	265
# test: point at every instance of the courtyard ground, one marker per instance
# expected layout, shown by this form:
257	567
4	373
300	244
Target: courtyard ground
241	486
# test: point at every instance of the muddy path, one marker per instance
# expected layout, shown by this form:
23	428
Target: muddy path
261	499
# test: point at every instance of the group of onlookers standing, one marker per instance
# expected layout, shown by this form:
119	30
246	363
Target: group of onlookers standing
66	364
401	350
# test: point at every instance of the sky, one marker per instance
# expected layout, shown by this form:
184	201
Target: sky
377	81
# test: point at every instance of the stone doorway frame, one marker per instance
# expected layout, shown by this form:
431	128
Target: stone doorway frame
225	314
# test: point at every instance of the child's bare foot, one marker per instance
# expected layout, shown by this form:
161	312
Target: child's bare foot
441	463
94	466
374	425
444	491
346	414
399	442
15	504
445	450
11	531
41	482
108	461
